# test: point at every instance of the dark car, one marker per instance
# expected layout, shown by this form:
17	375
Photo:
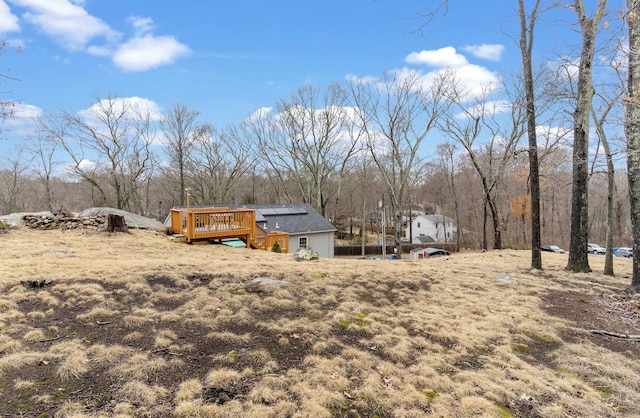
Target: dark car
435	252
552	248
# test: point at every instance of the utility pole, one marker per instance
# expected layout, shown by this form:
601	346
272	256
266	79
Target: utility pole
384	229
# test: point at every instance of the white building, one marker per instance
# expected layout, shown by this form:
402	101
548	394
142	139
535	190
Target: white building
431	228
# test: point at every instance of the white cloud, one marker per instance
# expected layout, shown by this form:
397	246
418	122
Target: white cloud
147	52
132	106
100	51
66	21
22	116
491	52
548	135
27	111
69	24
477	79
259	114
439	58
86	165
566	69
8	21
141	25
367	79
489	108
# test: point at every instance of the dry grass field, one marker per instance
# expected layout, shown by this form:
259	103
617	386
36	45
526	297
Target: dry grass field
133	325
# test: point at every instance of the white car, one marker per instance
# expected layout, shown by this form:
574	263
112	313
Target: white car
595	249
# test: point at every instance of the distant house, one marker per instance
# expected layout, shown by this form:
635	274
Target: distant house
306	227
431	228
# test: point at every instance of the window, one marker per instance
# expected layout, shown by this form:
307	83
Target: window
302	242
418	224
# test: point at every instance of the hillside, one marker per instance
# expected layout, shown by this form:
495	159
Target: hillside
135	325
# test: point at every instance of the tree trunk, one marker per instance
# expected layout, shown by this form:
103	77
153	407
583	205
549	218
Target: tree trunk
578	259
632	132
526	47
115	223
495	221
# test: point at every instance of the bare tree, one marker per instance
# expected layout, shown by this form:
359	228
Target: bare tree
111	139
44	151
310	141
599	119
447	153
264	128
527	29
13	180
180	130
504	123
218	160
396	114
632	132
578	260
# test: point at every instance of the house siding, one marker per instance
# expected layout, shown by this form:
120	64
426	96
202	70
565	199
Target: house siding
432	226
321	242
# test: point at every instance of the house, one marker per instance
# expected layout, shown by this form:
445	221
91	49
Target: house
431	228
306	227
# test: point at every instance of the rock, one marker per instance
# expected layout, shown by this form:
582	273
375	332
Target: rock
13	220
306	254
504	278
131	219
90	218
266	281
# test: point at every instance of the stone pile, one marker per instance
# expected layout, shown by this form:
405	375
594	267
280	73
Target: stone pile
64	222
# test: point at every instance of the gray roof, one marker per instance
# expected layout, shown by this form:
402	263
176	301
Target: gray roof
294	219
436	218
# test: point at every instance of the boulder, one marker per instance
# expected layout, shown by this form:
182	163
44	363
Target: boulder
306	254
131	219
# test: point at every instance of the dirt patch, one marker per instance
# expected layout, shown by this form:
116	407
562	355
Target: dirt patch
617	314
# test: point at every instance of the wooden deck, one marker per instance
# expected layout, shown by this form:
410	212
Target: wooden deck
216	223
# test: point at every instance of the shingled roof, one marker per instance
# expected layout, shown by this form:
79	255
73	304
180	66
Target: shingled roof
295	219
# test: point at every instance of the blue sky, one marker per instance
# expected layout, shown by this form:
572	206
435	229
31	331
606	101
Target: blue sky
229	58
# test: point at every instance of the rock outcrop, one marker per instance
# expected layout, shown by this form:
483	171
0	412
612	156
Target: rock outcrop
92	218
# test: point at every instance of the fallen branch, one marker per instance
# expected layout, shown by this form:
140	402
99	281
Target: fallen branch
616	335
50	339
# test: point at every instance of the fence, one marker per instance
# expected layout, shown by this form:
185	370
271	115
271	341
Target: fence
356	250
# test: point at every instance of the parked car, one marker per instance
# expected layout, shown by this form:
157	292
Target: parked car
624	252
552	248
435	252
595	249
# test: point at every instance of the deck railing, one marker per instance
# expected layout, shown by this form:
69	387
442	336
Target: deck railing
220	223
266	239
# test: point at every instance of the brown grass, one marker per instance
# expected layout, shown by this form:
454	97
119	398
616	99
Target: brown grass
135	325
